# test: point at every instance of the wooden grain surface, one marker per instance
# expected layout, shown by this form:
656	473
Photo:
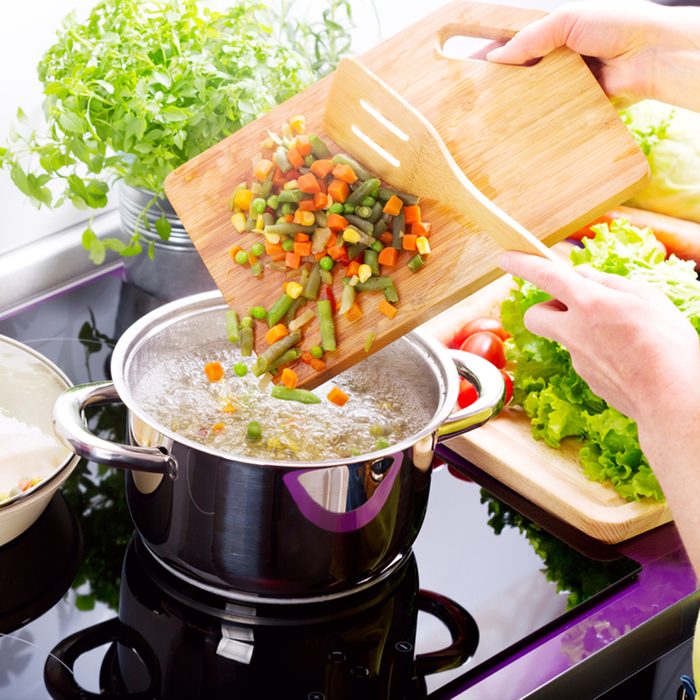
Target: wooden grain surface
541	141
551	478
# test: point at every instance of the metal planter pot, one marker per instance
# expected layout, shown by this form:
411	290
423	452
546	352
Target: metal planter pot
262	529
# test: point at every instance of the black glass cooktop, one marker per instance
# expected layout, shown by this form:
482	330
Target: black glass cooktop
483	582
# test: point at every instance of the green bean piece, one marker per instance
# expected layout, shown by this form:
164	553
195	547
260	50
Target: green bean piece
375	284
288	229
320	239
366	188
242	257
375	213
369	341
360	170
391	295
308	160
300	395
326	276
266	186
379	228
415	263
233	329
273	201
256	269
257	249
326	263
336	208
281	160
286	208
259	312
326	324
290	196
254	431
316	351
313	283
321	218
249	224
364	212
278	310
377	246
355	250
385	193
288	357
398	228
247	322
292	310
318	148
372	259
347	298
240	369
258	205
360	224
247	339
274	352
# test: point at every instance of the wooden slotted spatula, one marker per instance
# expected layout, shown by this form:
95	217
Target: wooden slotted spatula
397	143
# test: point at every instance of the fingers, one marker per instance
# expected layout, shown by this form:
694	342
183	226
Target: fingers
533	41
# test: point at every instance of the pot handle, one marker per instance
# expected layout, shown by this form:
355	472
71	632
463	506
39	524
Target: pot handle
463	630
69	424
58	669
491	388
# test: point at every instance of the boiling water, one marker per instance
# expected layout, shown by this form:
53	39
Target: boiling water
389	399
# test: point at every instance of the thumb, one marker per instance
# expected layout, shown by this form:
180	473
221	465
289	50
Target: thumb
533	41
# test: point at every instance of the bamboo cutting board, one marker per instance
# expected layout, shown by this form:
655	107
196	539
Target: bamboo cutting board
541	141
551	478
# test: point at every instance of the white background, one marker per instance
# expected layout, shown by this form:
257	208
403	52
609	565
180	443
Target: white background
28	27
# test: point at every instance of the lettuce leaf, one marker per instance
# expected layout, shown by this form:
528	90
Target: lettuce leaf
557	400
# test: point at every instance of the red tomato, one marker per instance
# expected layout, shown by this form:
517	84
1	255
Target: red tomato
509	387
483	323
487	345
467	393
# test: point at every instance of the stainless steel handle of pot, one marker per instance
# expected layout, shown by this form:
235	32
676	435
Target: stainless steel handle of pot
491	388
69	424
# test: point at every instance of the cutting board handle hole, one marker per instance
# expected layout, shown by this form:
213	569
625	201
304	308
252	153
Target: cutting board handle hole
458	43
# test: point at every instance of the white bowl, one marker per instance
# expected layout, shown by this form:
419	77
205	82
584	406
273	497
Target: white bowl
29	386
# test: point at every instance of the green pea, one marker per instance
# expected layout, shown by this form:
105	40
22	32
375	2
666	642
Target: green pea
240	369
288	208
258	205
288	245
381	443
259	312
317	352
326	263
257	249
336	208
242	257
368	202
254	431
348	209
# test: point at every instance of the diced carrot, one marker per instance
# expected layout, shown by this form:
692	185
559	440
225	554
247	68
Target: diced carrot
409	241
338	396
338	190
294	157
262	169
252	259
289	378
345	173
24	484
276	333
393	205
313	362
354	312
323	187
233	250
322	168
389	310
411	214
214	371
338	252
278	179
336	222
352	268
320	200
320	255
291	175
302	249
275	251
387	237
217	427
308	205
292	260
421	228
302	145
288	218
308	183
388	256
301	237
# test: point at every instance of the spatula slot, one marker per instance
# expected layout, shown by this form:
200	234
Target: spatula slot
375	146
383	120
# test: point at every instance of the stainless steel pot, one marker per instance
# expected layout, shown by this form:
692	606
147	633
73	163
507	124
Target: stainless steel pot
254	529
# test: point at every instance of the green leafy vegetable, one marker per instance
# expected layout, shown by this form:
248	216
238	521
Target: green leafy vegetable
142	86
558	402
670	139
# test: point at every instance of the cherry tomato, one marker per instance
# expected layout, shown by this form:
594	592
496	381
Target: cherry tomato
487	345
509	387
483	323
467	393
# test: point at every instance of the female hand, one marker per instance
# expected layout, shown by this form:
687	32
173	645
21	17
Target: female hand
635	48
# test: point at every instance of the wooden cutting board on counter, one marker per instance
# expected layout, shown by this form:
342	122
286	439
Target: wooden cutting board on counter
541	141
551	478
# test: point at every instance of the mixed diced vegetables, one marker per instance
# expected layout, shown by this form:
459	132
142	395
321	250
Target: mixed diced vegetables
22	485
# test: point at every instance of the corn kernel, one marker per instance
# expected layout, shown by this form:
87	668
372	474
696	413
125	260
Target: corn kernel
423	245
351	235
260	223
298	123
293	289
304	218
243	198
291	185
353	280
239	220
364	273
272	238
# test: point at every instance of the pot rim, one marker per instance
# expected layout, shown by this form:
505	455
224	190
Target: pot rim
71	458
181	308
